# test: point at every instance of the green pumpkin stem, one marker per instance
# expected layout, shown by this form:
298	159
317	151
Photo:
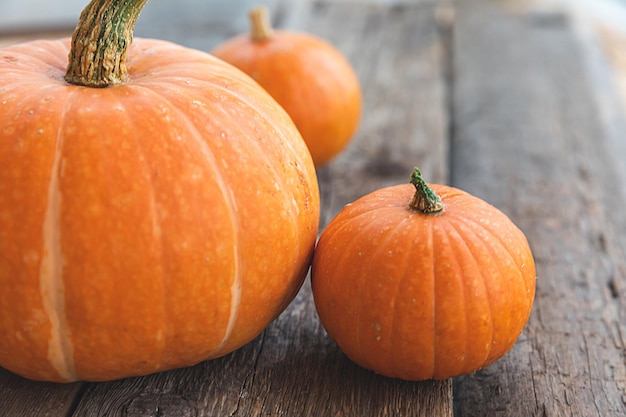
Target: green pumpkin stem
425	200
260	26
100	42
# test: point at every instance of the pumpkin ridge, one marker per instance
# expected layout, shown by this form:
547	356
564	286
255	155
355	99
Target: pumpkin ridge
398	292
157	230
359	345
372	209
436	252
60	349
388	235
329	280
283	186
346	253
227	193
498	238
285	142
433	253
445	239
330	230
270	120
461	241
512	331
263	152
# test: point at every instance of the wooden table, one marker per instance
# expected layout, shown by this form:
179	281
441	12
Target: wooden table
514	104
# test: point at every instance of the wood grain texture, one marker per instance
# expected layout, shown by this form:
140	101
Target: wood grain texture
528	138
21	397
401	58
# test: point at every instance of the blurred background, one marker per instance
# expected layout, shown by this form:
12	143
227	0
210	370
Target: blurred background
199	16
28	14
202	24
201	19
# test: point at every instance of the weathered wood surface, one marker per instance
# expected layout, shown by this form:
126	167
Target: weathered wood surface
529	137
502	101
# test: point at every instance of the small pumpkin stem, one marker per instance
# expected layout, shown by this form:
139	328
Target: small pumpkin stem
425	200
260	26
100	42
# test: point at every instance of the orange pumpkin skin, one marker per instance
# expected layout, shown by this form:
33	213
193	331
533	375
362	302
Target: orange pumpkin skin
145	226
421	296
310	79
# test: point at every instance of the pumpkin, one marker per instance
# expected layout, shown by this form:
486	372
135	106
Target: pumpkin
157	207
309	77
423	281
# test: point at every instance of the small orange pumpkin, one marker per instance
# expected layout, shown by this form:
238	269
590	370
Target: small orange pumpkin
157	207
308	77
424	283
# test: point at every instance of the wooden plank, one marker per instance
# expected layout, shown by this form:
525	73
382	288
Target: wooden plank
400	55
293	368
21	397
529	139
607	66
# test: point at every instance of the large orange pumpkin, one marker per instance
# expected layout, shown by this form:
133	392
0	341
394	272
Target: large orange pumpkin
150	218
423	283
308	76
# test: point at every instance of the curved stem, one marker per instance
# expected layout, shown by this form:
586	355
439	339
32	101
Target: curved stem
100	42
260	26
425	200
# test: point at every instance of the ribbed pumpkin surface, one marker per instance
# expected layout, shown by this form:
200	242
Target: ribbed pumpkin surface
421	296
145	226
